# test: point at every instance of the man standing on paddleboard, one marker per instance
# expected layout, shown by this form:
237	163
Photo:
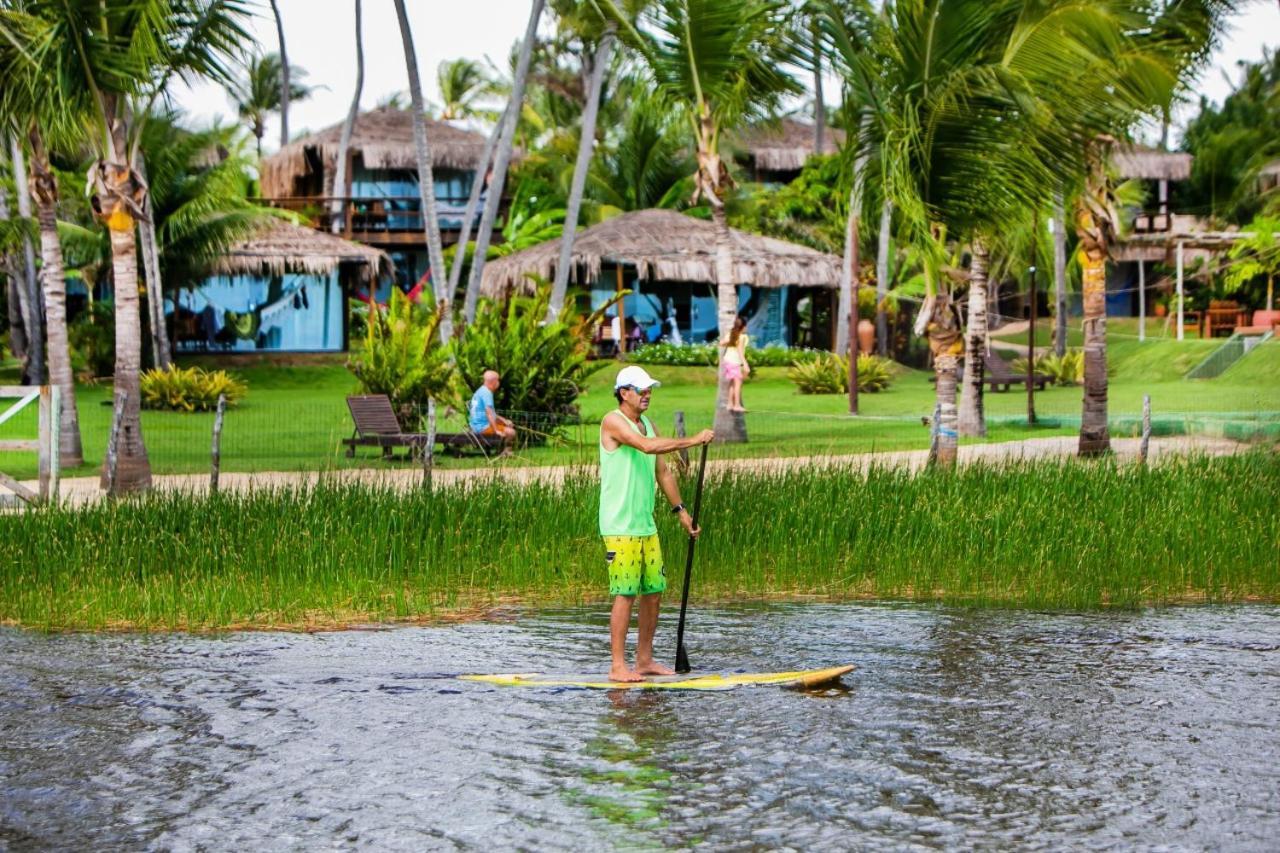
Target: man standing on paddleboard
631	469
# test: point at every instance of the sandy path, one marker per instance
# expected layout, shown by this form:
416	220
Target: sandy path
84	490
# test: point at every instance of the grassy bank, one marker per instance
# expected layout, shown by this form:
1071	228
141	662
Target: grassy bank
1078	535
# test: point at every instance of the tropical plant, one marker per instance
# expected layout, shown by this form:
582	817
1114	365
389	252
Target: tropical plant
403	357
645	162
256	94
810	210
107	62
93	343
1065	369
829	374
1256	256
708	355
543	365
190	389
722	62
465	85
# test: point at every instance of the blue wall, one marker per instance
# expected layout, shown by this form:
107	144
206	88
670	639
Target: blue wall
452	188
767	306
298	312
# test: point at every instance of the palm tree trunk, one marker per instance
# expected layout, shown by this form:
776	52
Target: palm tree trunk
883	249
45	192
161	355
284	77
473	201
133	470
426	180
1059	276
973	419
729	426
847	318
944	367
344	141
819	108
1095	437
15	287
503	158
586	144
34	320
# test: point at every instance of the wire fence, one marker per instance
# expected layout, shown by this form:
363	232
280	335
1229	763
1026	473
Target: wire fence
312	436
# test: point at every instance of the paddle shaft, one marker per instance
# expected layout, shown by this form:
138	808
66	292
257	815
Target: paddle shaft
682	659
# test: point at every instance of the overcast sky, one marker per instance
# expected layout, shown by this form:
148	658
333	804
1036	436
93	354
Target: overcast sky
320	39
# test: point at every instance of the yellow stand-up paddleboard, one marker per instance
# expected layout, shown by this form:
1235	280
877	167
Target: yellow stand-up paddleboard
690	681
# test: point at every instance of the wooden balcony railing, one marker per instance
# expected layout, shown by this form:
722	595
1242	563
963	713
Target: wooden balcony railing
386	219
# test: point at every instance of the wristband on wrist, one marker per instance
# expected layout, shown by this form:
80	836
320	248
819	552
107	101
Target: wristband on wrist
675	510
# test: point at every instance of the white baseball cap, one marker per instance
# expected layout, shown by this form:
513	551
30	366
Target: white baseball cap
634	375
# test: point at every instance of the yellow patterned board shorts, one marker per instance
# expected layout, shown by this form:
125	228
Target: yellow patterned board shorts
635	565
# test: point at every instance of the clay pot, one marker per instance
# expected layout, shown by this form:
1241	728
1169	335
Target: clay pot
1160	309
866	336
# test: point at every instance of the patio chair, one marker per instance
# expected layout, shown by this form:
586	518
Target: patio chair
376	426
1000	376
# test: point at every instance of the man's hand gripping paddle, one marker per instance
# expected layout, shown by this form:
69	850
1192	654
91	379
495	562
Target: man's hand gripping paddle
682	659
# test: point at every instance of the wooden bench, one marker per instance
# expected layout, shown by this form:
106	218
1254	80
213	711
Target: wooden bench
1000	376
376	426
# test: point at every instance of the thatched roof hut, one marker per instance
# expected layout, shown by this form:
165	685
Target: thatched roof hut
663	245
281	247
786	145
1151	164
382	138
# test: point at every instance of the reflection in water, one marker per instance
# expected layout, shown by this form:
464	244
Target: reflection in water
958	729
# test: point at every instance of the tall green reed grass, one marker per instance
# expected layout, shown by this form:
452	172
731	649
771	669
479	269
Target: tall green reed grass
1039	535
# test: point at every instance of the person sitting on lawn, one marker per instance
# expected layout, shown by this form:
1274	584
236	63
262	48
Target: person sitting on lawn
484	418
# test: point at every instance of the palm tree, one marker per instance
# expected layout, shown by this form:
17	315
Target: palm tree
256	95
1162	49
285	89
502	158
113	60
597	37
32	303
977	105
348	126
721	61
426	180
464	84
646	162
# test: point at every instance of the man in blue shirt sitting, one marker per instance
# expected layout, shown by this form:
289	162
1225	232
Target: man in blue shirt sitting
484	418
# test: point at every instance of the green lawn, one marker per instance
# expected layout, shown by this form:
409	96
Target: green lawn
1118	329
295	416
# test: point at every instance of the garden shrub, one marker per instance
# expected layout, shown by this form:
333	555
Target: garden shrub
829	374
693	355
1067	369
543	365
402	356
189	389
93	343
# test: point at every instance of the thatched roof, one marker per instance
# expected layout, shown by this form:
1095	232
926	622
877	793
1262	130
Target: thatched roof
784	146
281	247
384	140
1151	164
664	245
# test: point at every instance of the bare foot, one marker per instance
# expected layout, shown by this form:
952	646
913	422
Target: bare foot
624	675
654	668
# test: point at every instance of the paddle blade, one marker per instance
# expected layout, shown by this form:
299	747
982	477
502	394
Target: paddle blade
682	660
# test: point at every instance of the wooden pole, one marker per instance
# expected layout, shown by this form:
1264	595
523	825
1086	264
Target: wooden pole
933	433
113	442
215	456
622	312
45	437
1031	338
1142	300
1179	290
55	446
429	450
855	282
1146	428
680	433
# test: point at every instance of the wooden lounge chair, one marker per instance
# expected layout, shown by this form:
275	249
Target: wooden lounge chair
376	426
1000	376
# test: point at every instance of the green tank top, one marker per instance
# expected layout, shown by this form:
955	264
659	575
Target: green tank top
628	486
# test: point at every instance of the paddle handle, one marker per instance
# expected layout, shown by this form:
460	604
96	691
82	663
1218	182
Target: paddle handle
682	658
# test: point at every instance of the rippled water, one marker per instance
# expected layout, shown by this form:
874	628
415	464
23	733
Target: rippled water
958	729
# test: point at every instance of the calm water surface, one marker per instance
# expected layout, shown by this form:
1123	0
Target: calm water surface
959	729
